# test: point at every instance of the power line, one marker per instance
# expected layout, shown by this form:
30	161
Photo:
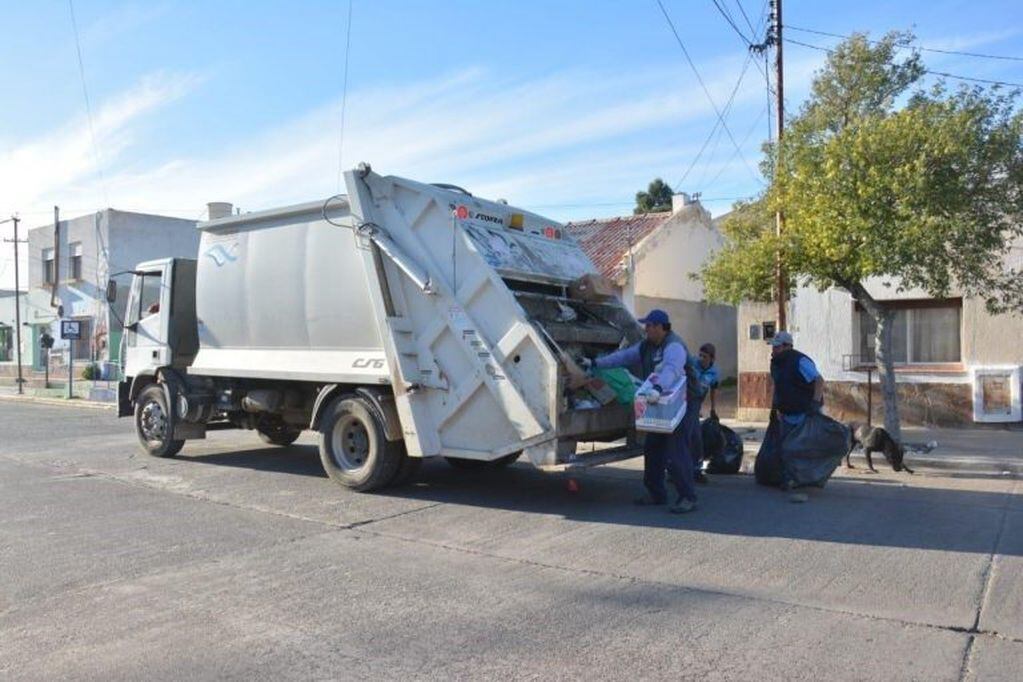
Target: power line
717	127
927	71
728	17
745	16
916	47
703	85
763	113
344	99
88	105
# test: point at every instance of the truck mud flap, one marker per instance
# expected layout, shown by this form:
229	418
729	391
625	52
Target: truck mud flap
124	406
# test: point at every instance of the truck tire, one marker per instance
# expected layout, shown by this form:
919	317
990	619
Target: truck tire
279	435
470	464
153	423
353	449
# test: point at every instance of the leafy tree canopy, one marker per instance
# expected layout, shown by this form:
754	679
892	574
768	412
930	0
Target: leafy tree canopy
657	197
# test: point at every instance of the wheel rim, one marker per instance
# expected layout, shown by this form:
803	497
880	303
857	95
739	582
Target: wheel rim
153	422
350	443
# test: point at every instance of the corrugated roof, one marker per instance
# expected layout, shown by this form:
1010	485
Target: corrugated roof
607	241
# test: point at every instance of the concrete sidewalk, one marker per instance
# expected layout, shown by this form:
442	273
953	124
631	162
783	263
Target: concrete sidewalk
990	450
86	395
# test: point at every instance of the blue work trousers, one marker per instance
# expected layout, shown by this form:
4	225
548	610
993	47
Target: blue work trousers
671	452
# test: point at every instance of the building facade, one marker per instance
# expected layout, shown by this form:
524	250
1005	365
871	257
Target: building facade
69	265
652	258
956	364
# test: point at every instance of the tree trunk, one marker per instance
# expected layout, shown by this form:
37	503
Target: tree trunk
885	360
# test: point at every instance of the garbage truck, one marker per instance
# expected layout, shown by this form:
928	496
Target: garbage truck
399	320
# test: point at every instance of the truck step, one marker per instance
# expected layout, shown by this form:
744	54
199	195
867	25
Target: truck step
592	459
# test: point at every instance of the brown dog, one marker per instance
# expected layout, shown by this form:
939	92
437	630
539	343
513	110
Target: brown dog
876	439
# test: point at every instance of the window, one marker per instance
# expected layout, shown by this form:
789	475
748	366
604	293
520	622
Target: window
149	298
49	267
75	261
923	332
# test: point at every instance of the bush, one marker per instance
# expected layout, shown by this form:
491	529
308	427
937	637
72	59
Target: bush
91	372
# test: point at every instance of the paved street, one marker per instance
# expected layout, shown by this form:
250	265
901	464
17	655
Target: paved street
239	560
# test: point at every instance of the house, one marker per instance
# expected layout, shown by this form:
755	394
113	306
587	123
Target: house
68	270
955	363
651	258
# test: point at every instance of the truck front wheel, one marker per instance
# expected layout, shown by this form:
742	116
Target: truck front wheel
153	423
353	448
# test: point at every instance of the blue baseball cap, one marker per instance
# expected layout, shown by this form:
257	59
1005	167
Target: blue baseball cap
656	316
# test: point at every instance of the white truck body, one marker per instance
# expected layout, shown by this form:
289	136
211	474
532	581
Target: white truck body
458	305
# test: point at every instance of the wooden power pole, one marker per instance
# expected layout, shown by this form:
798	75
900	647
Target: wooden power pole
780	284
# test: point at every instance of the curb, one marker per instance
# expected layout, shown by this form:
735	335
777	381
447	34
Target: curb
60	402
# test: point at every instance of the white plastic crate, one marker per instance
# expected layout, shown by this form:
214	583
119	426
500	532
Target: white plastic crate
664	415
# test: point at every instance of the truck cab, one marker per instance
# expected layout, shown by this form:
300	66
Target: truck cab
160	328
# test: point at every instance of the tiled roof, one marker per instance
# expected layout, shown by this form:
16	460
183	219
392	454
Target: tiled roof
607	241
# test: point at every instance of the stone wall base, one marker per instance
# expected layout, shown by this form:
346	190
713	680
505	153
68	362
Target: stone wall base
930	404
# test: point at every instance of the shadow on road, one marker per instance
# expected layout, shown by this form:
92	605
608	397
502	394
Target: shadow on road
881	511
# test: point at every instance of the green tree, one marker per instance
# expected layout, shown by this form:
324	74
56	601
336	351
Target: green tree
657	197
923	188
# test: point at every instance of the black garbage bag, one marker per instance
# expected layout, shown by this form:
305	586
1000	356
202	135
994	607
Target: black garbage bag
768	468
712	436
812	451
722	447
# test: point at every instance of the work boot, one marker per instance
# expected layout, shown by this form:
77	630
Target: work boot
682	506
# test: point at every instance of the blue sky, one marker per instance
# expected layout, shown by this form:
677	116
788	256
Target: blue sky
564	107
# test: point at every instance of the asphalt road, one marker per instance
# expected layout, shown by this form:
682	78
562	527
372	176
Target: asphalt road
239	560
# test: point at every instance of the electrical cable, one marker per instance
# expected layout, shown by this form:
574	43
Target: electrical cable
344	100
927	71
918	47
703	85
716	128
731	22
88	105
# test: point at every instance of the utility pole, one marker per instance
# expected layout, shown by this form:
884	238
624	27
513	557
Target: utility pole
780	283
17	301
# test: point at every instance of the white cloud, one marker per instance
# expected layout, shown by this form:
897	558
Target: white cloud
46	169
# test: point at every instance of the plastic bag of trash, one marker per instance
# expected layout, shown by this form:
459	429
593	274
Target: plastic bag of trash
725	454
812	451
620	381
768	466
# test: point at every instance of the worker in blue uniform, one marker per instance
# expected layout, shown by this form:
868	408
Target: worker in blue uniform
663	353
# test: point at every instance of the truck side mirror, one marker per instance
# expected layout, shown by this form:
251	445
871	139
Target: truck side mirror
111	291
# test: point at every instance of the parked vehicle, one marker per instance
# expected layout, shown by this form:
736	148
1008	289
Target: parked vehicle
401	320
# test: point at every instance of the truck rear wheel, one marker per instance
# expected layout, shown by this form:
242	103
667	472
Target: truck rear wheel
499	463
153	423
353	449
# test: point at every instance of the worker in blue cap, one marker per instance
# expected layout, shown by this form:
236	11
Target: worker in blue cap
663	353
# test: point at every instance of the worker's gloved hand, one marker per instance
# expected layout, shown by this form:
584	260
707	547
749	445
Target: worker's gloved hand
653	396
